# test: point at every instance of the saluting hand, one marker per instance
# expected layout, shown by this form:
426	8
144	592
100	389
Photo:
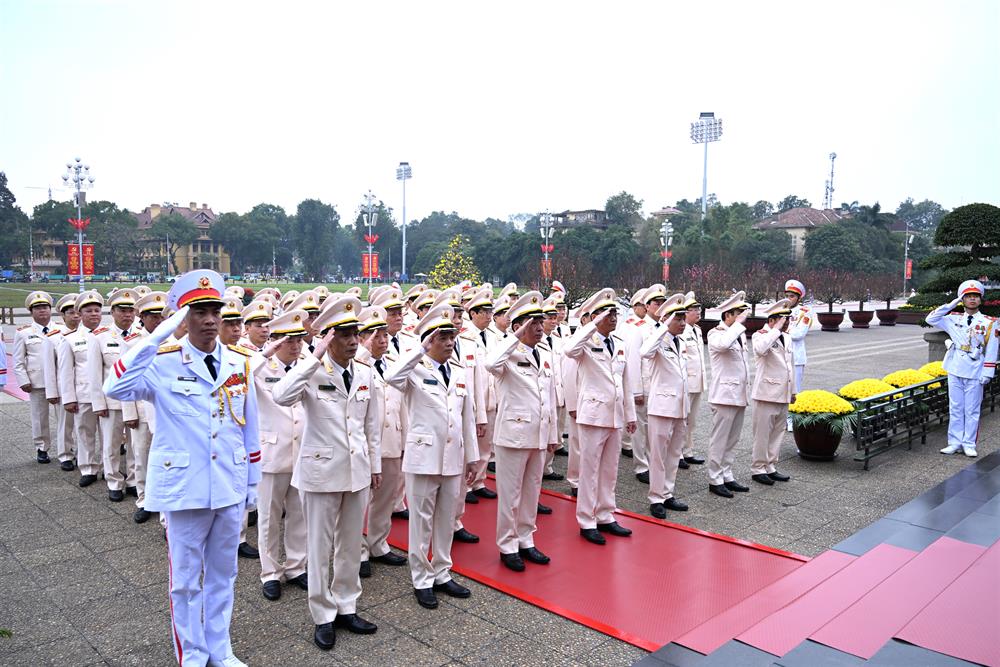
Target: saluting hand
742	317
272	346
606	313
319	349
429	341
523	329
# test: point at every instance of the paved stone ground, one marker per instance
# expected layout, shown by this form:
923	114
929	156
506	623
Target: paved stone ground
83	585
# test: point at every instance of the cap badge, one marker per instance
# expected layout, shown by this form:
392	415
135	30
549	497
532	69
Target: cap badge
296	319
348	306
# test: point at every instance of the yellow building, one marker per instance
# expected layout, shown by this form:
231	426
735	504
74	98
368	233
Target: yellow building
204	253
798	222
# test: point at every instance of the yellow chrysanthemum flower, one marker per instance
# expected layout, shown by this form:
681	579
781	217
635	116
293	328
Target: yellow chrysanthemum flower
907	377
818	400
934	369
860	389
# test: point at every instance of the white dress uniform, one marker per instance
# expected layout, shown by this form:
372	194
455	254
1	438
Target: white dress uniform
29	370
527	424
553	344
440	442
773	388
334	468
75	387
728	393
65	441
697	384
636	330
568	368
605	405
799	324
142	435
971	363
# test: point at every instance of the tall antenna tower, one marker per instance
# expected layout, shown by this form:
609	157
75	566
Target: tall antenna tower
828	194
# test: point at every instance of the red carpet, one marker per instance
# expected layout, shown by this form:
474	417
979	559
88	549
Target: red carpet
647	589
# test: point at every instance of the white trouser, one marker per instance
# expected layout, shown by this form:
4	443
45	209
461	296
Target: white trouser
334	522
485	448
640	439
202	542
432	500
519	481
573	459
727	423
65	436
376	540
799	372
85	424
692	422
277	498
141	440
768	421
550	456
40	437
113	434
600	448
666	440
965	396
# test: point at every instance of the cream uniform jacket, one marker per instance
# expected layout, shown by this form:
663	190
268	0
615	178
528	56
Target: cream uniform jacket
603	397
28	354
668	393
694	353
469	353
554	344
637	331
730	366
50	361
343	429
104	349
441	421
74	382
775	380
281	427
394	419
526	416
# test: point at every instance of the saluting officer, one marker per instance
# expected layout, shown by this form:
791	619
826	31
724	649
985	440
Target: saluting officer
799	323
694	355
204	464
338	464
773	391
970	361
29	371
554	344
65	441
526	429
75	388
440	446
150	311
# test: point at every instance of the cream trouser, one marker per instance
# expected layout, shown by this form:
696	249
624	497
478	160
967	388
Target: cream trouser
727	422
639	441
768	431
432	500
519	481
276	497
40	437
692	421
485	448
85	426
600	448
334	521
573	459
65	435
375	543
113	434
666	437
141	441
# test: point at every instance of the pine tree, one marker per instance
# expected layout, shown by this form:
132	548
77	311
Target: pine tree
455	265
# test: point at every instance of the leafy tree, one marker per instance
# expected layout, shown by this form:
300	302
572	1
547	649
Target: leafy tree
973	233
623	209
176	231
762	209
115	235
348	253
772	248
454	266
51	218
833	247
315	234
428	257
791	201
922	217
13	226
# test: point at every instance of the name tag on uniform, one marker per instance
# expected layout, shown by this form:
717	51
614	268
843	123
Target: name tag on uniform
430	381
326	387
271	379
524	363
597	349
112	344
187	378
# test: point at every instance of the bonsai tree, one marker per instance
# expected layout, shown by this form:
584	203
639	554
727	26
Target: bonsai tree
828	286
857	286
885	287
758	281
710	283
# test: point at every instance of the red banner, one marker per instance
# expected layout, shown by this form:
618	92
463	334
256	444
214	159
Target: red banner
909	269
73	259
369	265
666	273
547	269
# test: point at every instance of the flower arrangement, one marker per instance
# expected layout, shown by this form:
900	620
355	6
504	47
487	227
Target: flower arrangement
934	369
860	389
815	407
907	377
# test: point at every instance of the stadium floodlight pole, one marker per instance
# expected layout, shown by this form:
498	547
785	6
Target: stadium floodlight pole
404	173
78	174
705	130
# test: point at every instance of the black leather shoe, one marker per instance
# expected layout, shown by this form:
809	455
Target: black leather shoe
693	460
513	562
614	529
491	466
573	492
132	491
252	518
737	487
402	514
247	551
643	477
762	479
141	516
627	453
591	535
675	505
426	598
544	509
42	457
778	477
453	588
365	570
720	490
302	581
87	480
553	476
355	624
485	493
271	590
116	495
682	464
390	559
462	535
534	555
471	499
67	466
562	451
325	636
658	510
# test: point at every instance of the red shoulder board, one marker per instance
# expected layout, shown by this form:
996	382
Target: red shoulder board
99	330
640	322
53	332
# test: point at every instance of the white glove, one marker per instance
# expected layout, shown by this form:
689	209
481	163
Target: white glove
168	326
984	381
251	497
956	302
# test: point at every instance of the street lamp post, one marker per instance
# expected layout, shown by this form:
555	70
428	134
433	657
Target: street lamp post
404	173
705	130
906	257
78	174
370	217
667	239
545	228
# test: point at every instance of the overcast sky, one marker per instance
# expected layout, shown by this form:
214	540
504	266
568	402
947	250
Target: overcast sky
500	108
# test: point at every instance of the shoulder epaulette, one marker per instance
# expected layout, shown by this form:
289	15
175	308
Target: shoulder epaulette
169	347
22	328
363	363
99	330
242	350
53	332
640	322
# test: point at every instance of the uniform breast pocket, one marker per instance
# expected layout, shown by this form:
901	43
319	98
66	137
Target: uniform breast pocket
328	402
268	438
184	398
170	468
